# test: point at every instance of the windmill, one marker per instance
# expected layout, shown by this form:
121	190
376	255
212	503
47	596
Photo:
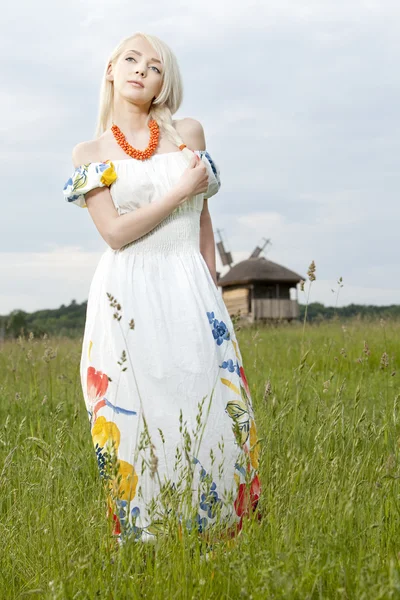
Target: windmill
226	256
257	250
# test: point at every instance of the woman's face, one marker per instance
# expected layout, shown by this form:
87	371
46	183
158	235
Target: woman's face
137	62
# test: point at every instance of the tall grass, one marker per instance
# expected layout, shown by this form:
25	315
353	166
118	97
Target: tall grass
326	399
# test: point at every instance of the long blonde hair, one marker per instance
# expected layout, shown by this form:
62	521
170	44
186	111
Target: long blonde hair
168	100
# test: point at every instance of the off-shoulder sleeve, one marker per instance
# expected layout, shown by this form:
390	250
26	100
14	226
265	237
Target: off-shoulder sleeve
214	179
87	177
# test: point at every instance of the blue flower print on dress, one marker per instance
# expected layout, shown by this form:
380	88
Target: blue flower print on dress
122	511
210	160
85	178
137	531
126	527
201	523
214	168
231	366
210	501
220	332
135	512
104	459
82	170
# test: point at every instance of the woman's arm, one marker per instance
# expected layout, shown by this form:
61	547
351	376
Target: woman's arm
192	133
207	243
119	230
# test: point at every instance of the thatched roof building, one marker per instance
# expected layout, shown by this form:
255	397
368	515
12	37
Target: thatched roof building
259	289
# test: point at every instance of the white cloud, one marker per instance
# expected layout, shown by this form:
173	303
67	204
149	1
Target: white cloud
36	280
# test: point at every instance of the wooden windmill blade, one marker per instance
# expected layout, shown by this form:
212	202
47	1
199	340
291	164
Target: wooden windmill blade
225	255
257	250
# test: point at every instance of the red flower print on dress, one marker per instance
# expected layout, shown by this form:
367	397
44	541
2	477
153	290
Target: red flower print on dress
97	384
116	523
244	499
247	499
246	385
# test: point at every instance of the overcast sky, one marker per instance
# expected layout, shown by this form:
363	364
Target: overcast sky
299	101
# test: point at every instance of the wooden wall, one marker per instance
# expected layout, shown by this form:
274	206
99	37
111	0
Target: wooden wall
275	308
236	300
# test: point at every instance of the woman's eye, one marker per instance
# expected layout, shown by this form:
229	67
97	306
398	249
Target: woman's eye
158	70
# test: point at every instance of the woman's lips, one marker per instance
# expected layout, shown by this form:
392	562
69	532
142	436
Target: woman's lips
135	83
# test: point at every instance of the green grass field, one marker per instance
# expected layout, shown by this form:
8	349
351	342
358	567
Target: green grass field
327	404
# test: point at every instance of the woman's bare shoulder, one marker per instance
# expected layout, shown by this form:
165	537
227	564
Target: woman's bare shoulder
191	132
85	152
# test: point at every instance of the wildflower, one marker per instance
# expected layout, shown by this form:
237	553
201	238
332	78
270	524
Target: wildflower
311	271
49	354
267	390
115	304
153	461
123	360
390	462
384	360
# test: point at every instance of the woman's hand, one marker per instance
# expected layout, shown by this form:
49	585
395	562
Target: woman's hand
194	180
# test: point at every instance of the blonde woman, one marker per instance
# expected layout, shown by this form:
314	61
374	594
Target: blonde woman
169	405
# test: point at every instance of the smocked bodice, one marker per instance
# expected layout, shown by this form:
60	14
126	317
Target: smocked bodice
134	183
141	182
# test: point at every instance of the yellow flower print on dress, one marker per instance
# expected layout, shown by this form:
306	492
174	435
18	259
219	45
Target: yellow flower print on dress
124	486
105	432
109	175
254	445
123	478
86	177
237	410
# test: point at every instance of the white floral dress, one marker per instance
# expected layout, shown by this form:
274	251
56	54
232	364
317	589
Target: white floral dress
161	370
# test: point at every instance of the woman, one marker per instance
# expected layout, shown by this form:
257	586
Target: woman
169	406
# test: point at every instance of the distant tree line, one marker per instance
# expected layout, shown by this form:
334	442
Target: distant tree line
66	321
319	312
69	320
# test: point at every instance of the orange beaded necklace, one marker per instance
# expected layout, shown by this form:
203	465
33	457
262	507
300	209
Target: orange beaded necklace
138	154
152	145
